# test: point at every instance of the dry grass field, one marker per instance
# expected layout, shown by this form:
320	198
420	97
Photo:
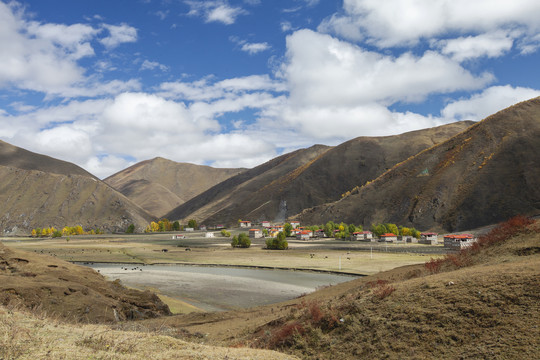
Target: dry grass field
355	258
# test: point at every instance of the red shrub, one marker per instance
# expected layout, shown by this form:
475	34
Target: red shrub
284	335
434	265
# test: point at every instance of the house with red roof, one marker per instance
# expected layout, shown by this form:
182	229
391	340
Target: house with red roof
388	237
245	224
255	233
304	234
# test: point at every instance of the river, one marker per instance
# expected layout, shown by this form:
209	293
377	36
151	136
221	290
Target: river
220	288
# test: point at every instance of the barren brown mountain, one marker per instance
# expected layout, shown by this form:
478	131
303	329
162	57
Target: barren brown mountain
481	176
293	182
159	185
39	191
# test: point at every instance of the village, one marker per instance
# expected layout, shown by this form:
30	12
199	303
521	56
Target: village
265	229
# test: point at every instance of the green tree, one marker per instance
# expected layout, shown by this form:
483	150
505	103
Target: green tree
130	229
277	243
243	240
287	228
378	229
392	228
176	226
352	229
329	229
192	223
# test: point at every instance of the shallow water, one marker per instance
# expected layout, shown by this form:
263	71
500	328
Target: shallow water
220	288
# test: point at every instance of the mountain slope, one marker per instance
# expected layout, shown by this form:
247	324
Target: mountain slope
320	178
39	191
237	197
13	156
160	185
483	175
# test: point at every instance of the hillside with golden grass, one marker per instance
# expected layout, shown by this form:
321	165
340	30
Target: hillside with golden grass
483	175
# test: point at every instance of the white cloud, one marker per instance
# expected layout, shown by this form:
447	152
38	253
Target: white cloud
119	34
204	90
492	44
322	70
215	11
43	57
254	48
405	22
151	65
488	102
251	48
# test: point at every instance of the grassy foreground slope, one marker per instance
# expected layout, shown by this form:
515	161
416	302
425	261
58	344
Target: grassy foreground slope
483	303
26	336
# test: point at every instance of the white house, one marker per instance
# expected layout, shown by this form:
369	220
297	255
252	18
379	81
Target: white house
458	242
362	236
429	238
295	224
209	235
245	224
255	233
265	224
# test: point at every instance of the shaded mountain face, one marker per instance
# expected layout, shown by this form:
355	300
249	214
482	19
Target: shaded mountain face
309	177
244	196
39	191
481	176
160	185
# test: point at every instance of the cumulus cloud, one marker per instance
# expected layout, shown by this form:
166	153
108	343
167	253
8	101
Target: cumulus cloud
325	71
405	22
487	102
215	11
493	44
44	57
119	34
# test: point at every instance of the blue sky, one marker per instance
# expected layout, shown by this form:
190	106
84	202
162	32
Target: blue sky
233	83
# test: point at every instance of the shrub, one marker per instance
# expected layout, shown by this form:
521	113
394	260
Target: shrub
284	336
130	229
241	241
225	233
277	243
